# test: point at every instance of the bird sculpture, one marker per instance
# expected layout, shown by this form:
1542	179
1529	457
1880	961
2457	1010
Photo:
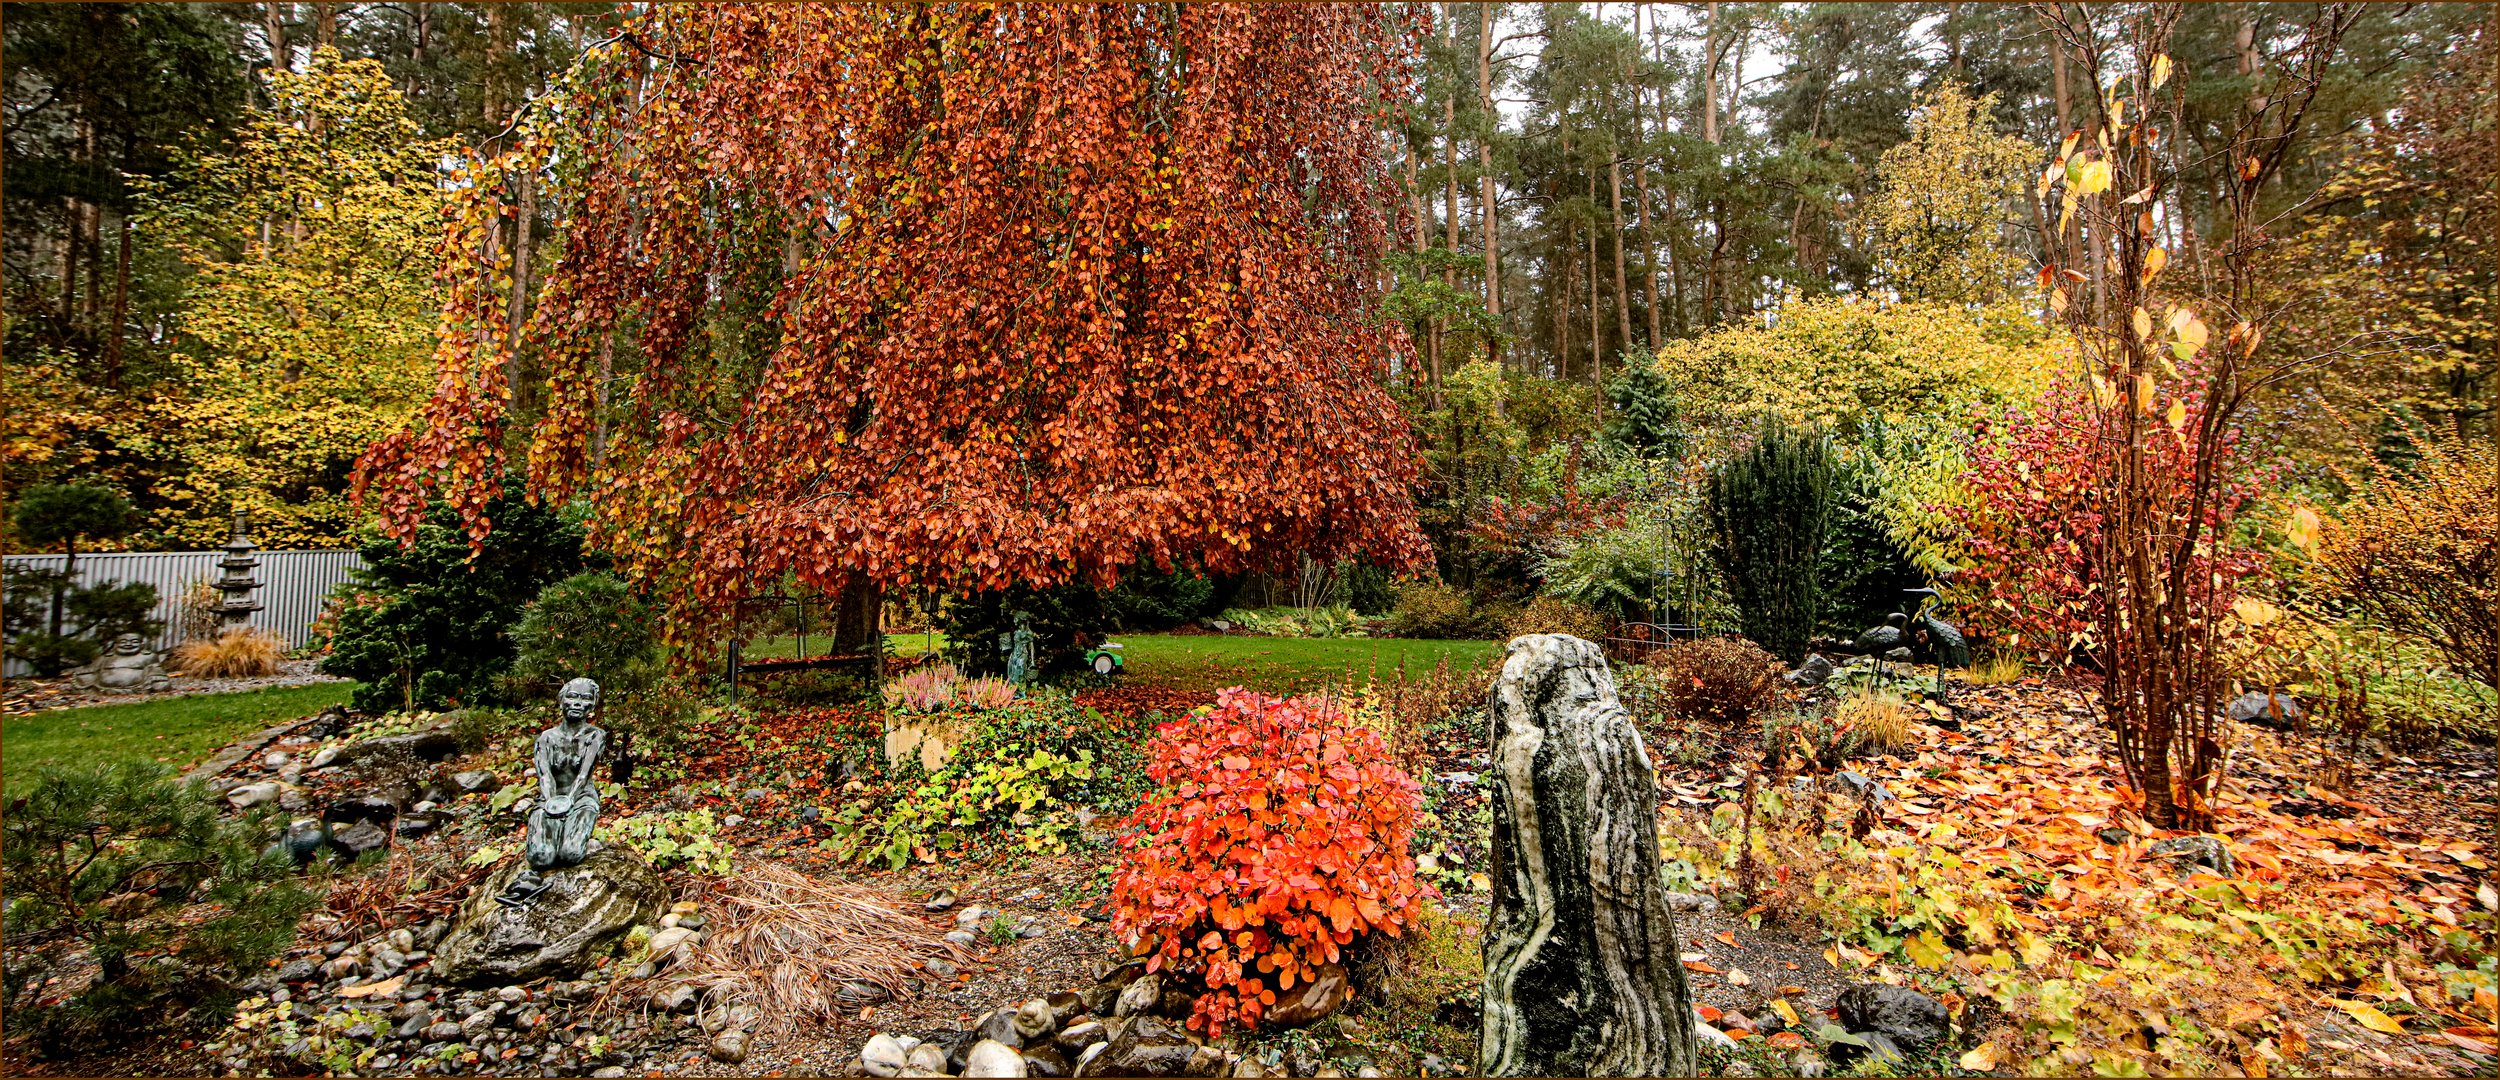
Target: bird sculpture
1934	639
1878	640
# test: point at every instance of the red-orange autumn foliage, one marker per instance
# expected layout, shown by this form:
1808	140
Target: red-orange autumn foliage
946	295
1279	836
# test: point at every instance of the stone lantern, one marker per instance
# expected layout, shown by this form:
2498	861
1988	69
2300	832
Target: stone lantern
237	583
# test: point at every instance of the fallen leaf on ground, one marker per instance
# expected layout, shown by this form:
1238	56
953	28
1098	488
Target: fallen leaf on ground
1728	938
2371	1018
1980	1058
387	986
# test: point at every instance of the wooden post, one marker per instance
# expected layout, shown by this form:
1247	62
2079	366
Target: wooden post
1581	969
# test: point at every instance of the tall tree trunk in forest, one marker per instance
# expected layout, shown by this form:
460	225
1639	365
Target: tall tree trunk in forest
325	25
1597	330
857	611
2058	87
1449	199
273	26
1614	207
1489	202
121	308
1710	77
1640	178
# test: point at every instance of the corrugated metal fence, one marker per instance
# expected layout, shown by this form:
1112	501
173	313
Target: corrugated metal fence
293	584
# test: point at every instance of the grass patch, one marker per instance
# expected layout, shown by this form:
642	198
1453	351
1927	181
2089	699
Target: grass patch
1275	665
177	731
1286	665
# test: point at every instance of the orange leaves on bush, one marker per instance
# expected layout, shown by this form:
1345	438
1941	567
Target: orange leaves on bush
1278	836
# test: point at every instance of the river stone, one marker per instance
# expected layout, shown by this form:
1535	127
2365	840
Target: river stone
883	1055
989	1057
1140	996
584	906
1045	1061
1581	972
729	1047
1322	992
927	1057
1146	1047
1910	1018
1000	1026
1035	1020
2277	709
1076	1037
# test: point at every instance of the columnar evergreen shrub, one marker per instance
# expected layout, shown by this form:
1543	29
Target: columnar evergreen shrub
1769	510
1277	837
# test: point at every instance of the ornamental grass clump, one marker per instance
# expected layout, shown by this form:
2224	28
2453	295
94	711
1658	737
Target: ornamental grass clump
1277	837
240	653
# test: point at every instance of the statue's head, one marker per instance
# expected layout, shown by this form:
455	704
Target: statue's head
129	645
578	700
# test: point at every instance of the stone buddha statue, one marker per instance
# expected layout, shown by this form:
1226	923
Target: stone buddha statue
568	796
127	667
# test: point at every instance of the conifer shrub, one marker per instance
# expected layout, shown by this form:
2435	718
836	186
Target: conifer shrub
1429	609
1768	510
1278	836
173	904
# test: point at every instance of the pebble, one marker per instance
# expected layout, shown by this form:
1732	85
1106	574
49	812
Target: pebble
967	917
944	899
883	1055
962	938
729	1047
275	759
511	994
609	1072
941	969
990	1057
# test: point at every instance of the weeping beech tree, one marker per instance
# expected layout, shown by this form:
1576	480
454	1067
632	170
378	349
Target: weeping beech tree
943	296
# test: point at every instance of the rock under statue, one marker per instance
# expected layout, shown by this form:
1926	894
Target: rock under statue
128	667
568	796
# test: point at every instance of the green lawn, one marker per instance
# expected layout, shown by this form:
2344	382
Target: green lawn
1207	661
177	731
1283	665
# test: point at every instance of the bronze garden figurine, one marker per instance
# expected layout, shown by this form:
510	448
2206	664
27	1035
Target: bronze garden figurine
568	796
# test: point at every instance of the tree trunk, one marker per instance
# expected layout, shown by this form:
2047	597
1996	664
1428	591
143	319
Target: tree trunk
599	398
121	309
1582	973
856	611
1489	208
1623	292
273	26
325	25
1710	77
1640	183
523	249
2057	82
1597	330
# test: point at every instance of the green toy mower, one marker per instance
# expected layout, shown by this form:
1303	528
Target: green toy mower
1105	659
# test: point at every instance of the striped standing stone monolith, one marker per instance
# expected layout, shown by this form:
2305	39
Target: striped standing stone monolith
1581	968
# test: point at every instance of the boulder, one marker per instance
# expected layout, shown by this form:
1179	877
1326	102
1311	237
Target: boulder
431	745
1813	673
2195	854
1311	998
1906	1016
583	907
1147	1046
1581	962
952	1044
989	1057
475	781
2273	709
